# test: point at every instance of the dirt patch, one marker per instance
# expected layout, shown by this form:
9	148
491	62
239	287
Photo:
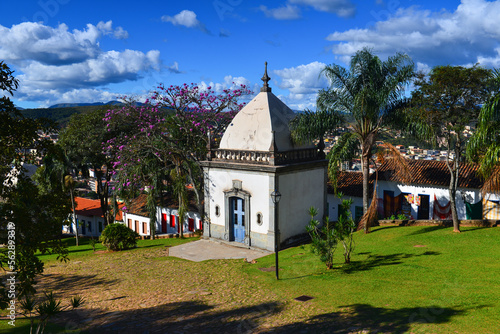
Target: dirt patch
144	290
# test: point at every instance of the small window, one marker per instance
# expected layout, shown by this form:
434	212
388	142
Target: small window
259	218
90	226
217	210
100	226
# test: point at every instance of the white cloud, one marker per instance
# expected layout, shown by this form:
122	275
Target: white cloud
47	45
291	11
303	79
52	62
229	82
186	18
50	97
465	36
107	67
342	8
303	82
287	12
174	68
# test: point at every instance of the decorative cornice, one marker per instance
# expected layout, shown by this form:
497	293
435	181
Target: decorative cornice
270	158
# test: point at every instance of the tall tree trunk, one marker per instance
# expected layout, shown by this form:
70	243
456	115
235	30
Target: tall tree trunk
199	194
74	215
365	167
453	190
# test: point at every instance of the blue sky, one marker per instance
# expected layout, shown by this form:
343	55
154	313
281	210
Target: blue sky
66	51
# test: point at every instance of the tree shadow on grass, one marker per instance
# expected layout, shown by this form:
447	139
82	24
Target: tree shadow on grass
374	261
374	230
428	229
473	229
365	318
179	317
71	283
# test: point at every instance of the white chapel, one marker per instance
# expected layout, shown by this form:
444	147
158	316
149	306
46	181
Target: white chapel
257	156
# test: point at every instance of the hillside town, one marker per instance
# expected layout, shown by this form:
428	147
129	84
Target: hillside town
251	173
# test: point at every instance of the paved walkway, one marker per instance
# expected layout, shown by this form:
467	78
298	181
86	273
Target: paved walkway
202	250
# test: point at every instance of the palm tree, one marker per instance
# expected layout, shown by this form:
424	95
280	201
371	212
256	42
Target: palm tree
370	92
484	145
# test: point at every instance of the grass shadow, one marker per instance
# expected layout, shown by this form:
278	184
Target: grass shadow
428	229
179	317
374	230
473	229
374	261
71	283
365	318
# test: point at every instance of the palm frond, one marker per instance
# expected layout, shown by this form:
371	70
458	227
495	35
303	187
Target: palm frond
371	215
400	162
492	183
344	150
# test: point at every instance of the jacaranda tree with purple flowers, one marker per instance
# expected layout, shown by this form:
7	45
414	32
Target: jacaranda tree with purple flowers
169	137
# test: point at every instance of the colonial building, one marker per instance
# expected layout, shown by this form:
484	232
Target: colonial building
89	218
425	196
136	217
257	156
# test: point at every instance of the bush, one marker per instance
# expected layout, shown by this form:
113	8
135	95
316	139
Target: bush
324	240
118	237
344	228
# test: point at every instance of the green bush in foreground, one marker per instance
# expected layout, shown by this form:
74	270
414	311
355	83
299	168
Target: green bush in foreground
117	237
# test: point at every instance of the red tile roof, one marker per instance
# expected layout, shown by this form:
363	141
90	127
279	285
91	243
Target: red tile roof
349	184
423	172
92	207
88	207
137	206
431	172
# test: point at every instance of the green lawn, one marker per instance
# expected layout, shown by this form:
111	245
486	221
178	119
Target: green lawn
85	249
401	280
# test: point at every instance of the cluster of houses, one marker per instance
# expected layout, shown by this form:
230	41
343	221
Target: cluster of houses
260	186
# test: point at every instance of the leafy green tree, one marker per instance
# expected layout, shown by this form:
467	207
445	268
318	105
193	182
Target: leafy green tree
169	132
484	146
82	142
30	214
443	103
370	92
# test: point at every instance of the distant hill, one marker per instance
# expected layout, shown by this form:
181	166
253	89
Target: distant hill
69	105
61	113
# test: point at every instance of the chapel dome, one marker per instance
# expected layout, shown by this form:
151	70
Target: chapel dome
252	128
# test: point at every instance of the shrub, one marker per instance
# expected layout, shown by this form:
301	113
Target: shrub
323	239
344	228
118	237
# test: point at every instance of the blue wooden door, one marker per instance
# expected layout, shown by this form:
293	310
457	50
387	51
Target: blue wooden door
238	218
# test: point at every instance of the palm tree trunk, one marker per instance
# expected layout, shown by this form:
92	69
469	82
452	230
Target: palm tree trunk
453	193
365	168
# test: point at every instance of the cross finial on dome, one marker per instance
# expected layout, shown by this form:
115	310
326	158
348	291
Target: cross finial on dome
265	78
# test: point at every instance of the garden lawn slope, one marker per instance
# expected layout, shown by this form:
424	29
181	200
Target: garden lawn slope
401	280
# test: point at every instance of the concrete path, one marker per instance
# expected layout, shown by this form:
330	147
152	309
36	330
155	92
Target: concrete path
202	250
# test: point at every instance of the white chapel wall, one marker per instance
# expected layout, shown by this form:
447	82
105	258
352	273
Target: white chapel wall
299	191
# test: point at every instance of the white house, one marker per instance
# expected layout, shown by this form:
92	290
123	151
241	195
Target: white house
256	156
425	196
89	218
136	217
